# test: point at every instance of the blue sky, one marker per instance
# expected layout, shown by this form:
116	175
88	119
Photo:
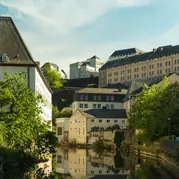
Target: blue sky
66	31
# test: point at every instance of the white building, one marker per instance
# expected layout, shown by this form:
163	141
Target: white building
85	69
16	58
83	122
98	98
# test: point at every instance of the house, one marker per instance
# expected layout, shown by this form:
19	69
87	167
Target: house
98	98
82	123
62	129
85	69
124	66
16	58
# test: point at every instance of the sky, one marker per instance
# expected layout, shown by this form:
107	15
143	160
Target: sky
67	31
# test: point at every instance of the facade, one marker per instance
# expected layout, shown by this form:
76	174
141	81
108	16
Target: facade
148	67
85	69
15	58
62	128
98	98
83	122
136	88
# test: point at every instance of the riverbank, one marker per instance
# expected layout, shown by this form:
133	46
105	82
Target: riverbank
154	152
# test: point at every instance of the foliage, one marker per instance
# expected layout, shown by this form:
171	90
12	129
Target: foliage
118	138
20	114
147	170
53	77
153	107
55	114
66	113
93	85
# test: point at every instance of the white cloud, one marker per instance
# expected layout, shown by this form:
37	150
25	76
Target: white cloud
48	23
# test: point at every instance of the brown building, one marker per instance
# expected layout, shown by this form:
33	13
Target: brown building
147	67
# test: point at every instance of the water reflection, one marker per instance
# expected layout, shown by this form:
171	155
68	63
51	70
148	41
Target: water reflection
83	164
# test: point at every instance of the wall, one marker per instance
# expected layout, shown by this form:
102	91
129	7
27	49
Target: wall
40	88
76	105
92	122
77	128
64	124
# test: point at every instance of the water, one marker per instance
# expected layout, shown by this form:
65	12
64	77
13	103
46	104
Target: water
85	163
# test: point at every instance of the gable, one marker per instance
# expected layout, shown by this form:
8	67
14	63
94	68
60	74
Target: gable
12	44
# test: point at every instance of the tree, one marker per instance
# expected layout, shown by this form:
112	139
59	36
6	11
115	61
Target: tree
53	77
153	107
20	120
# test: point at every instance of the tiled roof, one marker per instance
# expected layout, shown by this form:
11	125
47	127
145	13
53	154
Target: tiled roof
101	91
124	52
105	113
159	52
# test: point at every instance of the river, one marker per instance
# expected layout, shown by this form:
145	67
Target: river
85	163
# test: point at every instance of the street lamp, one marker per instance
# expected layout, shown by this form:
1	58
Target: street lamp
169	127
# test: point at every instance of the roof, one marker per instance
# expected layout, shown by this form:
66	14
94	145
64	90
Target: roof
104	113
156	53
94	57
124	52
15	48
101	91
117	86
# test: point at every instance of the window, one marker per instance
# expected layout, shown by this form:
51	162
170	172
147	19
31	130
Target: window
108	121
107	106
149	73
83	130
166	63
92	172
160	71
86	97
86	105
79	131
100	120
94	106
152	72
175	61
152	65
178	60
169	63
59	130
123	121
92	120
112	98
94	97
99	106
59	159
81	105
81	97
99	98
107	98
160	64
112	106
115	121
149	66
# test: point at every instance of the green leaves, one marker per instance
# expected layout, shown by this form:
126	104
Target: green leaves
152	108
20	120
53	77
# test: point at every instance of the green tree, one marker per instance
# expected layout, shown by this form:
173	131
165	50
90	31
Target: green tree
53	77
153	107
20	120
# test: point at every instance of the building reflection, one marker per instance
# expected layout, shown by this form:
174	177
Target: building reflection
81	164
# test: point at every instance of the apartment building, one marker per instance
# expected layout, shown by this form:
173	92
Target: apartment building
85	69
98	98
83	122
148	67
16	58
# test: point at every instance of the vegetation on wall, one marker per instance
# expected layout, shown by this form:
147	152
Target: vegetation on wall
155	110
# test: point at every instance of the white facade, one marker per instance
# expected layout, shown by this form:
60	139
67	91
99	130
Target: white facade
85	69
62	128
36	84
85	105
